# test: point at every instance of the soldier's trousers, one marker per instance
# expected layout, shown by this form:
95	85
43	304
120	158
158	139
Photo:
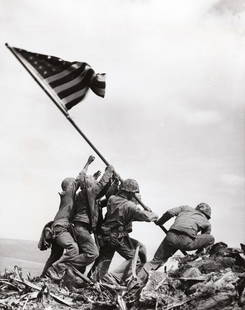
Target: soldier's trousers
87	248
125	246
177	241
56	253
79	253
65	243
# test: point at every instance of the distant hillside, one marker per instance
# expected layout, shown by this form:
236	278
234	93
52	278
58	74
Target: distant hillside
26	255
23	253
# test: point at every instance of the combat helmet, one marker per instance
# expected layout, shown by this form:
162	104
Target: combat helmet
205	209
67	182
130	185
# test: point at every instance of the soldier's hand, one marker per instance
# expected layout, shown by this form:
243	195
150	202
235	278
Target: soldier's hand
91	159
97	174
110	168
148	209
116	176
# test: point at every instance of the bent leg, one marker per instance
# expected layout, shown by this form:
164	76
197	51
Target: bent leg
165	250
102	263
65	241
55	255
88	250
142	250
201	241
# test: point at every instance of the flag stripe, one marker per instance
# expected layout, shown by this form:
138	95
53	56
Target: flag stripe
70	76
85	82
75	95
67	85
71	90
57	76
98	84
71	104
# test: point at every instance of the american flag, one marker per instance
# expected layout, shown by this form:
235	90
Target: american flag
69	80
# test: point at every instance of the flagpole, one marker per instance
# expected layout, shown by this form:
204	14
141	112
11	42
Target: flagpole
87	140
66	114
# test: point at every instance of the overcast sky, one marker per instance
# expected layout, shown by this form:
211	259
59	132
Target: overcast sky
172	118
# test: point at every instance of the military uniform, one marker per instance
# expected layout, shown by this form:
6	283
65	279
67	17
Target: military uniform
85	216
115	232
62	237
183	234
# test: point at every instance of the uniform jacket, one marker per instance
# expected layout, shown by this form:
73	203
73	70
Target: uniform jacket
122	212
189	220
64	213
85	207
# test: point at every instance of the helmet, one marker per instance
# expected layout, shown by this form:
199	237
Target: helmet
205	209
130	185
67	182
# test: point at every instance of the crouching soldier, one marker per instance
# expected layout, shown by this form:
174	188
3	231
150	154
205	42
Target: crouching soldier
121	212
183	234
61	231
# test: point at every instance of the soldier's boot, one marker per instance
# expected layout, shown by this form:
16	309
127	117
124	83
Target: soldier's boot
203	251
71	280
56	272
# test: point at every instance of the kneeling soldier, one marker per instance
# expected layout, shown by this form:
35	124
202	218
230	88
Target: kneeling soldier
183	234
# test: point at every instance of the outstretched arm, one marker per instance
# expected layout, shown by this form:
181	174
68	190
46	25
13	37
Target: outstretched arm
97	174
80	178
171	213
104	179
136	214
89	161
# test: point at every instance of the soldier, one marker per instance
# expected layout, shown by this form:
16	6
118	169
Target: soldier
183	234
47	239
60	229
121	212
86	215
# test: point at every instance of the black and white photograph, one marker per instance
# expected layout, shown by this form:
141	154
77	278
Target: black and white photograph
122	160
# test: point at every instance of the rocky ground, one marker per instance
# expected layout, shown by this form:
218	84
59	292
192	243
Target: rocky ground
206	281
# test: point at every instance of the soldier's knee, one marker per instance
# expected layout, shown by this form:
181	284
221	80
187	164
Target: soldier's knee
211	240
73	248
91	257
95	253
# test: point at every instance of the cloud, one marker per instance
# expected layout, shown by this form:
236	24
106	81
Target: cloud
229	6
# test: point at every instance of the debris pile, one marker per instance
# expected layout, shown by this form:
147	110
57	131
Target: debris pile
209	281
214	280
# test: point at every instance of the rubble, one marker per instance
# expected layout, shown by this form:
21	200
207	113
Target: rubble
215	280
